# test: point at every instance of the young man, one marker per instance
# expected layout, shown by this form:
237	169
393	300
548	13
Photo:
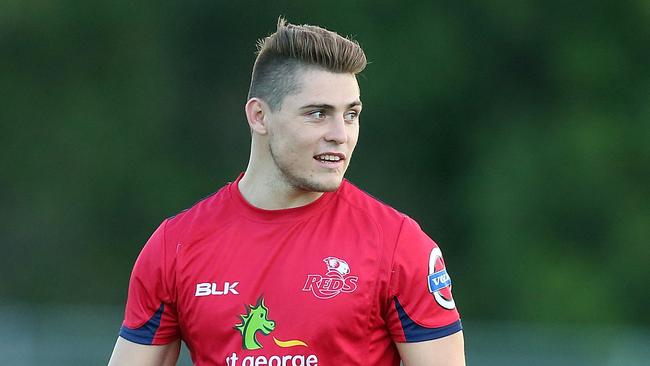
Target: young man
291	265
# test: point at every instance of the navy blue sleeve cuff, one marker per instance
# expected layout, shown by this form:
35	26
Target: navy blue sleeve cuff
413	332
146	333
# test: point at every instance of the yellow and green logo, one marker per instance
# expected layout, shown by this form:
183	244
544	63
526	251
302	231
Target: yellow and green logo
257	320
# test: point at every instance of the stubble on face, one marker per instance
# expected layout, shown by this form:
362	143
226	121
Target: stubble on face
303	182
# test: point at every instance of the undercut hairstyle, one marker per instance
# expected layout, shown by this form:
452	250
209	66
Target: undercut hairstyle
294	48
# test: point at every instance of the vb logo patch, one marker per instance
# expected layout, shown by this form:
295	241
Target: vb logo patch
439	281
336	280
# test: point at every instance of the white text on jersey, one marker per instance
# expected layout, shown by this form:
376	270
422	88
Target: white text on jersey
211	288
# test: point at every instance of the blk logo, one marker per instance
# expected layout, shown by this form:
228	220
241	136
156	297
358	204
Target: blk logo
336	280
211	288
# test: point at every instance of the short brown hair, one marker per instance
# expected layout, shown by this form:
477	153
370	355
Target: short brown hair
292	47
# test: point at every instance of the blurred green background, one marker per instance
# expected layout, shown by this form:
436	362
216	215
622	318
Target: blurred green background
516	132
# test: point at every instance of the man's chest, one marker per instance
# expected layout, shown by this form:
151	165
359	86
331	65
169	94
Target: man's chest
279	291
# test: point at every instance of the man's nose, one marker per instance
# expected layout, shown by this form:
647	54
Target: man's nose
337	131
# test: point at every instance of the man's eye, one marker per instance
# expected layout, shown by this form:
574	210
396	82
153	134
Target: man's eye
351	116
317	114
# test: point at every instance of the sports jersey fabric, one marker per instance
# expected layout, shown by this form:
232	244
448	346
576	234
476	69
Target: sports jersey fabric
335	282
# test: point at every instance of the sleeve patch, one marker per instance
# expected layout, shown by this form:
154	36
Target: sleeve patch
414	332
146	333
439	280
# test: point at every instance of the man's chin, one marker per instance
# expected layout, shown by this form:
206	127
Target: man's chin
331	188
325	185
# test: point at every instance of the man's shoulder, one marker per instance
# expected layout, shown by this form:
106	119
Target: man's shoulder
202	212
371	205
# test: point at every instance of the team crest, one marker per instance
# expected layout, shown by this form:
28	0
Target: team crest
439	281
336	280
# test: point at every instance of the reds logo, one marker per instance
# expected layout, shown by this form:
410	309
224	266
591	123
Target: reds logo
335	280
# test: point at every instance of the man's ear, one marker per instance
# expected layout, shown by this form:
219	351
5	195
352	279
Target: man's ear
257	114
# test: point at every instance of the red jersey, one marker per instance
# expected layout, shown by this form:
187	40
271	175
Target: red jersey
335	282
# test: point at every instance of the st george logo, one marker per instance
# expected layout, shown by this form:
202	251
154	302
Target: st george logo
336	280
439	281
255	320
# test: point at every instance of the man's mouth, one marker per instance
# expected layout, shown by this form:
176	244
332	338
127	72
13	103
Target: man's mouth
330	157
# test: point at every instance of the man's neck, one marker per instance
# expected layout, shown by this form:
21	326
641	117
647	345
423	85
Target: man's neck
272	194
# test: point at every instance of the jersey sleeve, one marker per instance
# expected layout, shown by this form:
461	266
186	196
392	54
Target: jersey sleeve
421	305
150	317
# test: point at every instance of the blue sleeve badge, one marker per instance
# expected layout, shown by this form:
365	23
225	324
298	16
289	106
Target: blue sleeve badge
438	280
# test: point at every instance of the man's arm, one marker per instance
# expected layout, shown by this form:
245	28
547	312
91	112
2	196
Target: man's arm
447	351
133	354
